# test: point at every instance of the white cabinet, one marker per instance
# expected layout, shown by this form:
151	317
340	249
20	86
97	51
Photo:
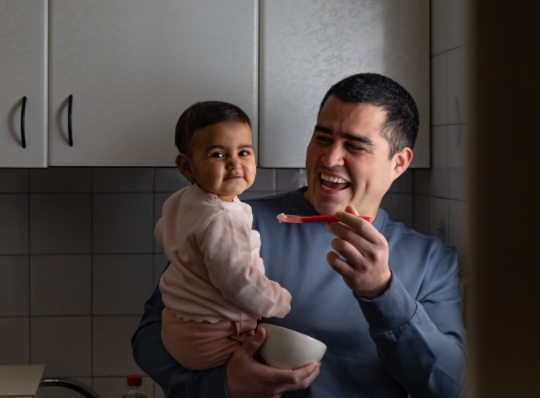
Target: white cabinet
132	67
23	73
308	45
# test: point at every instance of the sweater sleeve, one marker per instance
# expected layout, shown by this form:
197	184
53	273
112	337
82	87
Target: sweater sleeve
151	356
421	343
233	269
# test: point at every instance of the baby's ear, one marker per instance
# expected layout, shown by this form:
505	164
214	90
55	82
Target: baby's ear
183	164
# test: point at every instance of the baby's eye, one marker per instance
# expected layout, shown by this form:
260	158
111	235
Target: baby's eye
217	155
244	153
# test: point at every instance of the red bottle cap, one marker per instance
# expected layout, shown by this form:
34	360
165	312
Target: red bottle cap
134	380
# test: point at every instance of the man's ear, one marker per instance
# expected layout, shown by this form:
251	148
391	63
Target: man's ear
401	161
184	165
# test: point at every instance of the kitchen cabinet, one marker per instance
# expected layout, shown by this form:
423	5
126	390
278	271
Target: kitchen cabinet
23	78
132	66
308	45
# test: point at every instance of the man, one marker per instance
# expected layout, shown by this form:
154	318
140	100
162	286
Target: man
384	298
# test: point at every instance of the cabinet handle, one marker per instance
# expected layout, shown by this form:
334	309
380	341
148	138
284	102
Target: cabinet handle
70	132
23	111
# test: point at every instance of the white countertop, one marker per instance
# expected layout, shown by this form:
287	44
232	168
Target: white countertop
20	380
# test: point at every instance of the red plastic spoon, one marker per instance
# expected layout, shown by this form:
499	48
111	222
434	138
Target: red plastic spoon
306	219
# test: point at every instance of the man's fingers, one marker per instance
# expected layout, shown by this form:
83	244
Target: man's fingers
302	377
340	266
352	210
252	345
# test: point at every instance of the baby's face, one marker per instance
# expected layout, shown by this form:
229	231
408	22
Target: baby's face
222	159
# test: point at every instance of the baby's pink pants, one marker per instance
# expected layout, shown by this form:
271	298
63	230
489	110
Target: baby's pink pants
203	345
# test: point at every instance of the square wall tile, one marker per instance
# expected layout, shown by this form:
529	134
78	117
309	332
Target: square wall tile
439	161
439	90
121	283
14	180
14	224
122	223
290	179
458	175
60	223
63	343
265	181
116	387
60	285
160	264
458	85
168	179
422	181
438	219
62	392
459	229
62	179
112	352
122	179
15	338
421	220
14	286
438	26
402	184
457	22
399	207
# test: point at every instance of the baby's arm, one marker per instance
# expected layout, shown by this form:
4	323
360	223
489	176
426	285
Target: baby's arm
226	247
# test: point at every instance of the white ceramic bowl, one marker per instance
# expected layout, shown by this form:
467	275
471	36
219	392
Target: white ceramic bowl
286	349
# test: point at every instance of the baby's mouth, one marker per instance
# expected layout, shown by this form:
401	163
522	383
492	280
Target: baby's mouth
334	183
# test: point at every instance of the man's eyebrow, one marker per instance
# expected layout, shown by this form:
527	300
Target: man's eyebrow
349	136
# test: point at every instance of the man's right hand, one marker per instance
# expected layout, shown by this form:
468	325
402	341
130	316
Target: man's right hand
248	378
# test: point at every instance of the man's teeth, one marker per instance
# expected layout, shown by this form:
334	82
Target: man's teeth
333	179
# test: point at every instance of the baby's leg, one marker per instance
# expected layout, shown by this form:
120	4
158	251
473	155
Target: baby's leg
203	345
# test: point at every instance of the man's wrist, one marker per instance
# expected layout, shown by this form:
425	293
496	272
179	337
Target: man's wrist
377	291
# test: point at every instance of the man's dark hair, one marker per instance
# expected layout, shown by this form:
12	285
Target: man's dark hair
402	122
203	114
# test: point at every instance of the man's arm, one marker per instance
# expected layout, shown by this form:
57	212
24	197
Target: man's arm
420	343
242	376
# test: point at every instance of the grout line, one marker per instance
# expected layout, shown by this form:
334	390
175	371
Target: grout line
92	275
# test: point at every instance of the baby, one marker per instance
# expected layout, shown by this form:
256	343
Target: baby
215	289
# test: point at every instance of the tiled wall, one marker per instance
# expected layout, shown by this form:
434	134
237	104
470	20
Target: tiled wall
78	260
440	193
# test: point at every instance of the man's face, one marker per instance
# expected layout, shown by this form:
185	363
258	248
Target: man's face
347	160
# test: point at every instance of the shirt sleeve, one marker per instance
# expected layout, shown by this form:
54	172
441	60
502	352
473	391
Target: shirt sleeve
151	356
235	270
421	343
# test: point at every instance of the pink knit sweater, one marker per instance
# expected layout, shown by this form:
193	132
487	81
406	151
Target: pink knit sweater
216	272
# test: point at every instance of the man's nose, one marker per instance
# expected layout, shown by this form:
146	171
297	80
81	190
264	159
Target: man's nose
333	156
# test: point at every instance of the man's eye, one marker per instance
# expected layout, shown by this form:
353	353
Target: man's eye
354	147
323	138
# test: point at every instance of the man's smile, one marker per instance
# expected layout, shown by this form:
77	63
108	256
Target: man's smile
333	182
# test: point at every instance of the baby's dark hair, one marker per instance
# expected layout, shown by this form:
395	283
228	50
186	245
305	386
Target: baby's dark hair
202	114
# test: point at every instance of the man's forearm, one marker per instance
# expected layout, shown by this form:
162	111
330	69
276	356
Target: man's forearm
427	361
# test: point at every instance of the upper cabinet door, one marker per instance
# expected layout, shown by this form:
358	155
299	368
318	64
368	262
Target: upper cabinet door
308	45
23	82
132	66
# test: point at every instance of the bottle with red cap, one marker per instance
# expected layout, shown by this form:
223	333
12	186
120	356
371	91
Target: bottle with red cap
135	390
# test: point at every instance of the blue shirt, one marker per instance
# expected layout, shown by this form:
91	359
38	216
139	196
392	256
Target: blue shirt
409	340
